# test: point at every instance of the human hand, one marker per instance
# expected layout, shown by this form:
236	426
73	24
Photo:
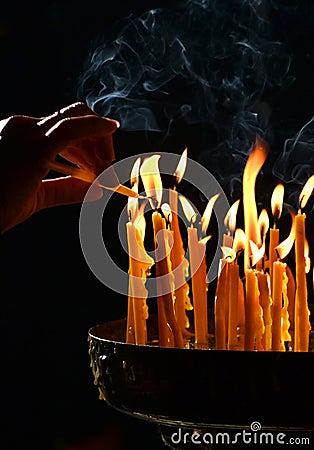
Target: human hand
28	144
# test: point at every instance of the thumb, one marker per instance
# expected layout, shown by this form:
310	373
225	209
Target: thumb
65	191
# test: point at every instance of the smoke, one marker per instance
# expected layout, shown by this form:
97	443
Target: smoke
202	63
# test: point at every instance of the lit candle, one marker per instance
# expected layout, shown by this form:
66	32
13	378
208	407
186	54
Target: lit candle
257	255
253	165
178	261
197	254
163	279
276	206
152	182
198	268
301	319
139	264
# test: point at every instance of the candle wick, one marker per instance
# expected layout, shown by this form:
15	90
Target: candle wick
300	203
277	254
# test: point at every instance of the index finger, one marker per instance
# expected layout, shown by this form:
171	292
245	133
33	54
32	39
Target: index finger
68	130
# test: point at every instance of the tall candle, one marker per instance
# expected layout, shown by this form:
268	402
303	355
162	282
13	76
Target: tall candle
165	299
291	296
276	207
233	305
272	256
251	309
139	263
179	266
197	255
285	334
221	301
278	278
302	324
265	302
241	315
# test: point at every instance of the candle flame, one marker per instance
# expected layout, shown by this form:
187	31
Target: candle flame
231	217
284	248
134	177
263	225
188	210
306	192
228	253
239	241
133	203
151	178
306	256
179	172
257	252
277	200
166	210
205	239
140	222
253	165
208	213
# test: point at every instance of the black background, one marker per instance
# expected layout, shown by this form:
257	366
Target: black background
49	297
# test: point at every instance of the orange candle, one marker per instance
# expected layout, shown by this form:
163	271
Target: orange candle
285	334
276	207
272	256
179	266
197	256
221	300
139	263
265	302
251	308
278	278
241	315
301	321
233	305
164	291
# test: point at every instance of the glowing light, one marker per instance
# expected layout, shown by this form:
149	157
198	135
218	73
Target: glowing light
151	178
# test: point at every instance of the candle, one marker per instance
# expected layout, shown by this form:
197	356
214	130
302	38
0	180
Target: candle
276	206
221	303
278	278
139	263
301	319
233	305
197	253
291	296
179	266
285	335
164	292
251	308
273	242
198	269
265	302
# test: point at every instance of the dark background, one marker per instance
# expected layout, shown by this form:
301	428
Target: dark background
49	296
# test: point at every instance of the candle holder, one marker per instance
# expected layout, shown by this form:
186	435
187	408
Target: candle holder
189	390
